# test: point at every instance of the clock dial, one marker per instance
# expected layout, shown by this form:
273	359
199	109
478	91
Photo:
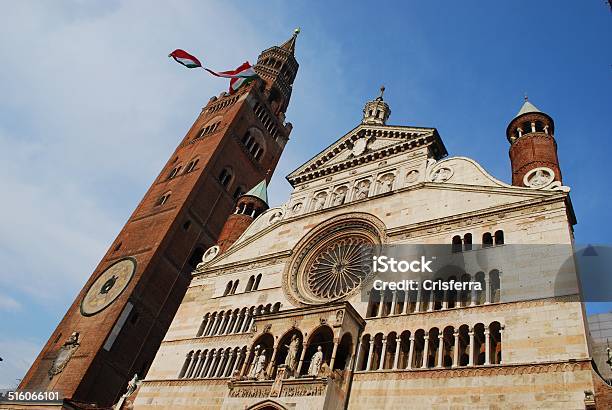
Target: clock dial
108	286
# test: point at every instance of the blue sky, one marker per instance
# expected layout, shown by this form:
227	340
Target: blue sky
91	107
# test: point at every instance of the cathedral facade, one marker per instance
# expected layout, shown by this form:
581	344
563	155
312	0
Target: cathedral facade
278	316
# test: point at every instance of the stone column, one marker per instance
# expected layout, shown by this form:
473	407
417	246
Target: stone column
358	355
383	352
440	349
222	364
393	302
235	366
426	352
487	347
206	363
216	324
417	307
397	352
473	297
333	356
487	289
471	333
371	350
247	322
381	304
501	333
230	323
410	353
194	361
209	325
236	328
215	364
456	349
406	302
272	359
430	307
445	299
301	362
246	361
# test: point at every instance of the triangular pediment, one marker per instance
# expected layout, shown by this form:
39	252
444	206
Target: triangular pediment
363	144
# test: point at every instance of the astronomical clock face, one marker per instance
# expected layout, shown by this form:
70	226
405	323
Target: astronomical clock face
108	286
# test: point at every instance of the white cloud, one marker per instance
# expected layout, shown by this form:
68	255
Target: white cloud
9	304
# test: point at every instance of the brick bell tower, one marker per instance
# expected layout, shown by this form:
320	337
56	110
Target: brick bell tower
533	149
115	325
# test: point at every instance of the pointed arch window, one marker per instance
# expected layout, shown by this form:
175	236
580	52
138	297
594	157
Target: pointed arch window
225	177
163	199
191	165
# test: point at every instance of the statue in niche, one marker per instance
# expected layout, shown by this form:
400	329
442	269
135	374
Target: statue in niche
293	347
339	196
132	385
316	362
260	365
386	183
362	189
318	201
65	353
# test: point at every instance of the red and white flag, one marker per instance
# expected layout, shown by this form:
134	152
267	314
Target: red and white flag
238	77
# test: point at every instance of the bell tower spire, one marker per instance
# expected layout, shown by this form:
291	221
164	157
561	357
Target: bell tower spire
278	67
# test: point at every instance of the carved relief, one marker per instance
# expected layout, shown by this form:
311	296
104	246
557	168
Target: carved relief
65	353
412	176
339	195
362	189
297	207
385	182
539	177
318	202
442	174
276	216
209	254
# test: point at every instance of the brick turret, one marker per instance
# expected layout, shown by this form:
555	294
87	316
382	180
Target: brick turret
248	207
533	149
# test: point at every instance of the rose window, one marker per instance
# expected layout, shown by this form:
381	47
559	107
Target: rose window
339	267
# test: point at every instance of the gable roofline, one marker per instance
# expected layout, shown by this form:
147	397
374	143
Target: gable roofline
412	135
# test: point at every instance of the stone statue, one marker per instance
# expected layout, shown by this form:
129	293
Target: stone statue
65	353
609	361
316	362
362	189
132	385
339	196
260	364
291	359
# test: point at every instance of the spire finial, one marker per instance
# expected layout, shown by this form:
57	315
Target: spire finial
296	31
382	91
526	97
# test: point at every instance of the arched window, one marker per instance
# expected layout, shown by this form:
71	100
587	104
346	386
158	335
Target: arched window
192	164
499	237
479	344
487	240
250	283
257	280
495	291
228	288
495	342
234	287
467	242
174	171
456	244
253	141
276	307
186	364
225	177
163	199
364	352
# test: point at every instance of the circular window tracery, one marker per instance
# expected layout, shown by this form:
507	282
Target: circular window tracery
339	267
333	261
